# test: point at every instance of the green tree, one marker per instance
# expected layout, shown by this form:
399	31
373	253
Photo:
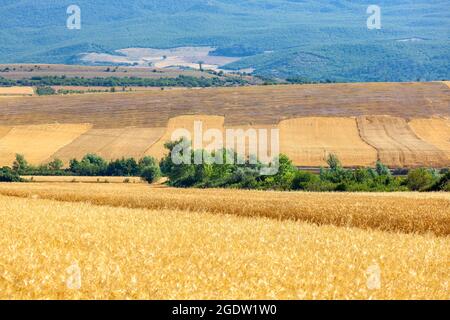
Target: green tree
151	174
304	180
8	175
382	170
90	165
285	175
443	184
45	91
419	179
147	161
56	165
182	172
334	163
20	165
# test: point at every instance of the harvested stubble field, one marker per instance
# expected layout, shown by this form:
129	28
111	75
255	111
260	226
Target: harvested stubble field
361	123
397	144
317	138
240	106
38	142
434	131
16	91
196	244
111	144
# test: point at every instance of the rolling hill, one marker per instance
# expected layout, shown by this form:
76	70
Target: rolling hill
401	124
312	39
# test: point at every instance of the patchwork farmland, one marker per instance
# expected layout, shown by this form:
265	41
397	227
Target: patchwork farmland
401	124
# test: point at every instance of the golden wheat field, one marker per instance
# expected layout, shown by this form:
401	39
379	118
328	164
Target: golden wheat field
81	179
103	241
402	212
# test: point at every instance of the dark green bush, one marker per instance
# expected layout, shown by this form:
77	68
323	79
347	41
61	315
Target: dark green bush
45	91
443	184
419	179
151	174
9	175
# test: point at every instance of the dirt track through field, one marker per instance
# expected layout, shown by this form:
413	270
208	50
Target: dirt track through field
397	144
433	131
309	141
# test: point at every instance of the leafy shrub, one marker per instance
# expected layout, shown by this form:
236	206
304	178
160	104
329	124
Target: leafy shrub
304	180
419	179
443	184
8	175
45	91
90	165
20	165
382	170
56	165
151	174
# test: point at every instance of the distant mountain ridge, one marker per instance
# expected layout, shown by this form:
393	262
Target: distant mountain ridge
313	39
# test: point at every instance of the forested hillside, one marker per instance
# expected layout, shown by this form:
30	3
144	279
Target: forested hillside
312	39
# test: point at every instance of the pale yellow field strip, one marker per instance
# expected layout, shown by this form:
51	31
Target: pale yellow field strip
38	142
184	124
434	131
91	141
447	83
397	144
309	141
56	250
81	179
111	143
402	212
239	141
132	143
4	131
16	91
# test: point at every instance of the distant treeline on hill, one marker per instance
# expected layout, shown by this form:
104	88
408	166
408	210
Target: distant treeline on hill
180	81
244	175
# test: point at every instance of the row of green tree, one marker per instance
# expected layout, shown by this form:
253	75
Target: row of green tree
242	174
333	178
89	165
180	81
